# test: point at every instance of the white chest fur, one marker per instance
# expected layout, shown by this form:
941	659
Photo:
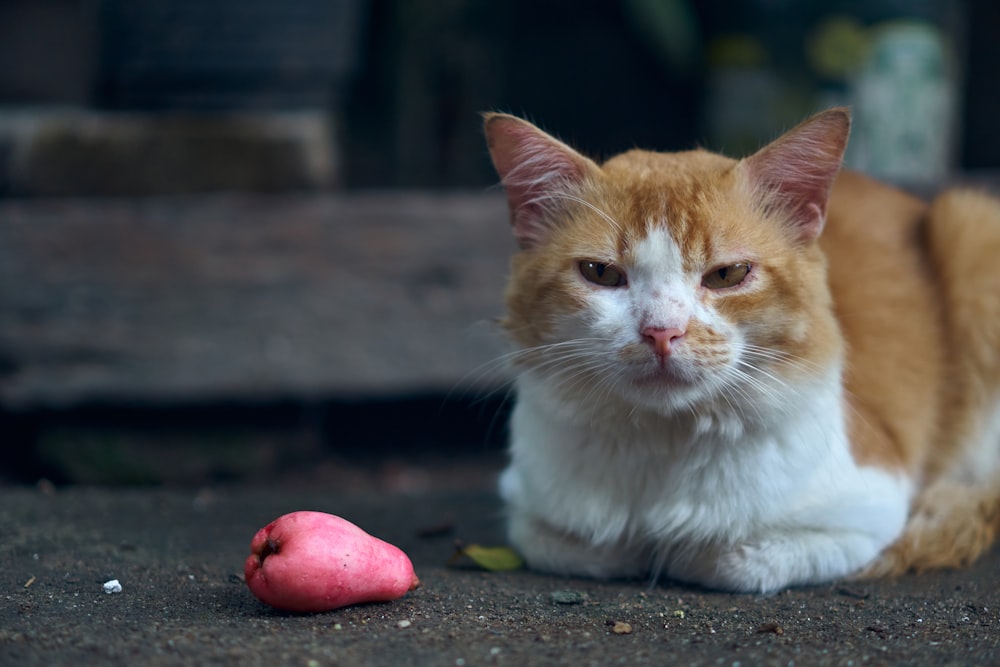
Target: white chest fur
751	508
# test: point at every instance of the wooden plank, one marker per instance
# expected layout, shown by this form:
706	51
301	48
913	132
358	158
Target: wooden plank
249	297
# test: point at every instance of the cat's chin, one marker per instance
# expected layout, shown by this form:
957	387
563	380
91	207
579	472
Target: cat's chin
664	377
662	382
664	391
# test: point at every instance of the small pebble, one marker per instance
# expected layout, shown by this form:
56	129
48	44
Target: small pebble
113	586
621	628
405	623
566	597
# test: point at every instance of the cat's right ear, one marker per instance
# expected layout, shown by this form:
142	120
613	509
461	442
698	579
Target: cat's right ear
538	172
795	173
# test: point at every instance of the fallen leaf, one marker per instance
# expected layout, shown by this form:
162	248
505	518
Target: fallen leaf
772	628
493	559
856	593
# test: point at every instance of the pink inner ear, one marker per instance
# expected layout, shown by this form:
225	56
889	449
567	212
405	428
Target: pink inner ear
794	174
536	170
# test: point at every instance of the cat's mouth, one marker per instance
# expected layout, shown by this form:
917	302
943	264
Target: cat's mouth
665	375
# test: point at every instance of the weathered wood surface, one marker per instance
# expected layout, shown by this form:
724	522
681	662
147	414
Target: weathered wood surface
234	297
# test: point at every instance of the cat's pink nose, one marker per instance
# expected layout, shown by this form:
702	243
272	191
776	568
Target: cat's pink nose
662	339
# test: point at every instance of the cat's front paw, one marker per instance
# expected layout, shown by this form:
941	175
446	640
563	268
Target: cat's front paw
774	562
548	549
743	569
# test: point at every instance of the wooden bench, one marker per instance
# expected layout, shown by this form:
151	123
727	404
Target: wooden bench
249	297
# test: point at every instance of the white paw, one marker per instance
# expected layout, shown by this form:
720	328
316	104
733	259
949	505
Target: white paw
547	549
781	560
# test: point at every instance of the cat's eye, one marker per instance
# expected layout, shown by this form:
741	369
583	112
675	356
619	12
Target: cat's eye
726	276
602	274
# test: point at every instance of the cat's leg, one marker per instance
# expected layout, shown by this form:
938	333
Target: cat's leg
957	517
963	235
951	525
833	530
771	561
549	549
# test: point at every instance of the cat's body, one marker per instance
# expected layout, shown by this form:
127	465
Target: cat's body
748	374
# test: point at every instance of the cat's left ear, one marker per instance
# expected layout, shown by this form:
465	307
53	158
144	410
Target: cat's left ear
793	174
538	172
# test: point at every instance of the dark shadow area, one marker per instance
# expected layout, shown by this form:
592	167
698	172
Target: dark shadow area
195	443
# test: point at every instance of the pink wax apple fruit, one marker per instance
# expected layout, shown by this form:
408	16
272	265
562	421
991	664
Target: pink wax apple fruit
313	561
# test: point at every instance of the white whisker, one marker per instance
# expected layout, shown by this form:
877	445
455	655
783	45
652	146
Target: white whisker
564	195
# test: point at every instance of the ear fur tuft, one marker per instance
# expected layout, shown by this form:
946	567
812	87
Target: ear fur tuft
794	173
535	169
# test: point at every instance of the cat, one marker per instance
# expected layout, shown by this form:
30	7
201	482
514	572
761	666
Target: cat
746	374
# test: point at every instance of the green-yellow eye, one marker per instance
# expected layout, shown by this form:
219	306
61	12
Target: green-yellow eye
726	276
602	274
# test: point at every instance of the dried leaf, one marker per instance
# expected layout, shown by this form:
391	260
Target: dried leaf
493	559
772	628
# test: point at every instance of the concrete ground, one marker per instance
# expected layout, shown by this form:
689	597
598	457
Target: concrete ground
178	553
234	298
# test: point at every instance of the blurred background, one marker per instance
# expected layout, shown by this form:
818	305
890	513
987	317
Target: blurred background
242	237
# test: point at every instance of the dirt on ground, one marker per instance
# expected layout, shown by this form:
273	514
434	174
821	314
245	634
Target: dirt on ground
178	553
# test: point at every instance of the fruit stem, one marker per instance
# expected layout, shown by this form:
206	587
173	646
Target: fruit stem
270	547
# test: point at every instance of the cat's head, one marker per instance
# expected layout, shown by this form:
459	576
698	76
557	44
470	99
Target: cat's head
671	279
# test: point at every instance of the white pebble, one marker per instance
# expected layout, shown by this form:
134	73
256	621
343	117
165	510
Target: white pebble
403	624
113	586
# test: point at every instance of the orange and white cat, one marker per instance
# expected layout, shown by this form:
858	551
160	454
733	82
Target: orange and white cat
747	374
